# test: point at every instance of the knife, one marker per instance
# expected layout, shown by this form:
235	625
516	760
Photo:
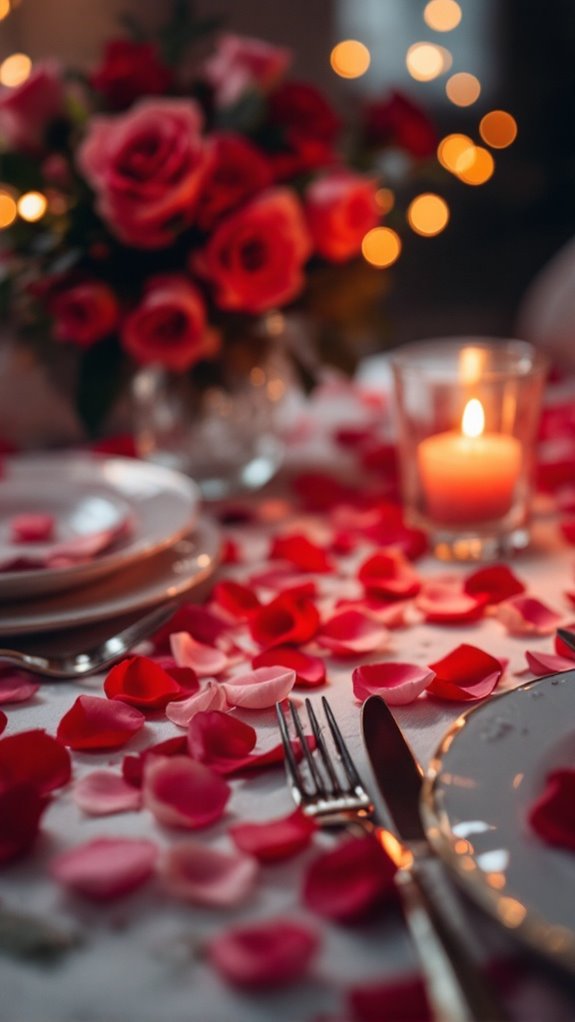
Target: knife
456	989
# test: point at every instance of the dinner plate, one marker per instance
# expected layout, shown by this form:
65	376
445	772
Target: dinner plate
165	576
488	770
80	489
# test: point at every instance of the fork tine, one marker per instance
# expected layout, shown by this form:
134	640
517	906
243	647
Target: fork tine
348	764
292	769
322	749
312	766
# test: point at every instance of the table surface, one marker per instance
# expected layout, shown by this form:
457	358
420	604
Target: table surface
141	958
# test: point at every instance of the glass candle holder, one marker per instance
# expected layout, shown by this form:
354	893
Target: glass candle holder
467	415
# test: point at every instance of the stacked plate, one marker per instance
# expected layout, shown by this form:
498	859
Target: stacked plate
120	535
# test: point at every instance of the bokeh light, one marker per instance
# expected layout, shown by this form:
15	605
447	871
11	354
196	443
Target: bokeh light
425	61
381	246
15	69
442	15
8	209
463	88
32	206
498	129
455	152
350	58
479	169
385	199
428	214
4	9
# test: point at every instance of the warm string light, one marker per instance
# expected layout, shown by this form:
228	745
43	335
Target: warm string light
442	15
350	58
15	69
463	89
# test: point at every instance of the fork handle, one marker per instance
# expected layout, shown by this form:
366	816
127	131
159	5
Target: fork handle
27	661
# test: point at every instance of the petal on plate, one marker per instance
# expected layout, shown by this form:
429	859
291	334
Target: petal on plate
301	552
204	660
496	582
140	681
287	620
210	697
396	683
17	687
102	793
349	882
310	670
237	599
31	527
465	674
526	615
33	757
213	735
133	766
389	576
404	1000
105	868
552	816
547	663
269	954
21	808
93	724
207	876
444	601
259	689
349	632
275	840
181	792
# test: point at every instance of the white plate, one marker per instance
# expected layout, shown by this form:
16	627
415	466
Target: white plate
487	772
165	576
162	503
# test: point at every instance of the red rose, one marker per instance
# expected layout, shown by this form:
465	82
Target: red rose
309	127
398	121
169	326
255	256
84	313
238	171
147	167
340	209
129	70
27	110
240	64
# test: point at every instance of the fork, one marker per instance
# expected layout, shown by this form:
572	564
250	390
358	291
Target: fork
108	652
455	989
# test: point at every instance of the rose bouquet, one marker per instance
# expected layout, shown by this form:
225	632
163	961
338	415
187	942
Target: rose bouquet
171	202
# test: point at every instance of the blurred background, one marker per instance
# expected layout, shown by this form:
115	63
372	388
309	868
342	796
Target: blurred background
505	217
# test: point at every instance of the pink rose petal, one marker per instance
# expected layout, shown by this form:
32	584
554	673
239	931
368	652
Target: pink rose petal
396	683
105	868
525	615
17	687
208	876
275	840
95	724
392	615
210	697
133	766
184	793
204	660
465	674
445	601
260	955
259	689
547	663
348	882
103	792
310	670
214	736
350	632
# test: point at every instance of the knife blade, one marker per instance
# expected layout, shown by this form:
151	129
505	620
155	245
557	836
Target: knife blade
456	989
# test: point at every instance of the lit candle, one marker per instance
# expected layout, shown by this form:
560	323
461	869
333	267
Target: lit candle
469	476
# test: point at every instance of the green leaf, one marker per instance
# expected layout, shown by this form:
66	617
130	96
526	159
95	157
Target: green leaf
101	378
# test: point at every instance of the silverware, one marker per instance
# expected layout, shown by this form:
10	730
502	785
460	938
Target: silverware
457	990
92	660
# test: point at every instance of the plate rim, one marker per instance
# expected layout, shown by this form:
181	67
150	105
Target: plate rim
553	942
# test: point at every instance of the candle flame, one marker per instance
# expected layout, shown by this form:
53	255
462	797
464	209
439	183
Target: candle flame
473	421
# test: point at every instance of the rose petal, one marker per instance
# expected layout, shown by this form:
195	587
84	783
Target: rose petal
204	660
547	663
321	492
259	689
210	697
257	761
403	1000
17	687
561	647
396	683
350	881
102	792
208	876
31	528
284	578
3	721
139	681
465	674
105	868
275	840
444	601
94	724
301	552
525	615
552	816
21	808
310	670
350	631
392	615
389	576
196	621
33	757
269	954
184	793
288	619
497	582
133	766
238	600
219	736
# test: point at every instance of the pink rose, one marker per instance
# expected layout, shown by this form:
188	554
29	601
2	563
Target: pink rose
169	326
340	209
27	110
255	257
241	63
146	167
238	171
84	313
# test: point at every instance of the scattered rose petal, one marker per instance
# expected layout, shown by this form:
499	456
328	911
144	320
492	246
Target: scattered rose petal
525	615
3	721
231	552
204	660
465	674
396	683
238	600
210	697
392	615
349	632
284	578
321	492
349	882
17	687
139	681
275	840
102	792
208	876
496	582
214	736
552	816
133	766
94	724
310	670
567	527
301	552
403	1000
269	954
21	808
388	529
389	576
184	793
286	620
547	663
444	601
105	868
256	761
199	622
259	689
32	528
33	757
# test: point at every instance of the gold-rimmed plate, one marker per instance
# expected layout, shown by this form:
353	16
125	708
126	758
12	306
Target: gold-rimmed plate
487	772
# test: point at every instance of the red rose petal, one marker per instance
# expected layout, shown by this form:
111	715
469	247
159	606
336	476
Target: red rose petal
17	687
310	670
321	492
3	721
102	792
547	663
396	683
275	840
215	736
105	868
139	681
259	689
94	724
552	816
285	579
525	615
197	621
286	620
33	757
257	761
204	660
208	876
211	697
350	632
184	793
21	808
269	954
239	600
465	674
31	528
444	601
561	647
133	766
348	882
301	552
392	615
497	582
403	1000
389	576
